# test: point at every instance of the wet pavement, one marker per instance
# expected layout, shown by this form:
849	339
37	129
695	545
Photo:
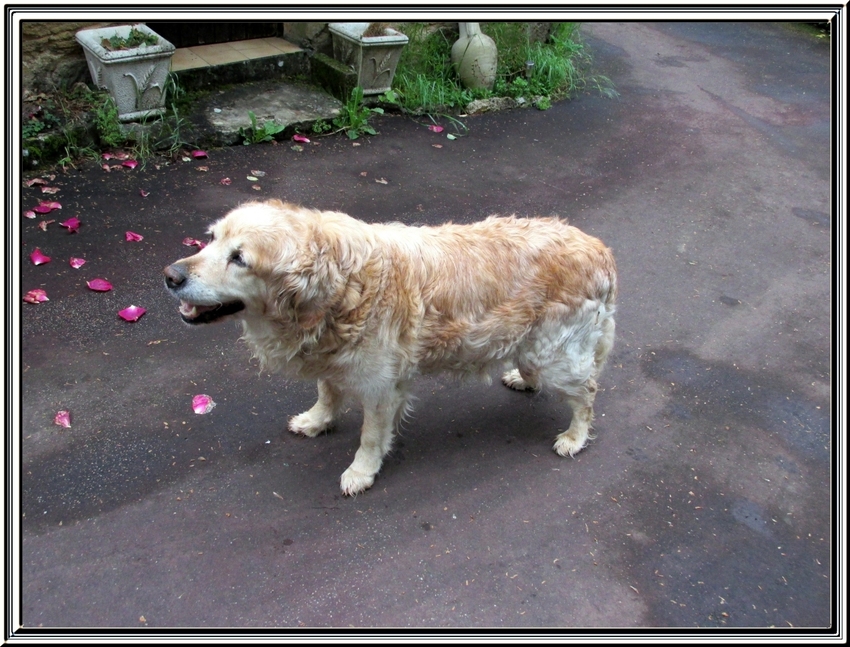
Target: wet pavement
704	500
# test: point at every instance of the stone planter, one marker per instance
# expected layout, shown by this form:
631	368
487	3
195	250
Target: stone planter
373	58
134	77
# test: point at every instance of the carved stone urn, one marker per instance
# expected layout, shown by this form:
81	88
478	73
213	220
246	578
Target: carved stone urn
474	56
134	76
372	58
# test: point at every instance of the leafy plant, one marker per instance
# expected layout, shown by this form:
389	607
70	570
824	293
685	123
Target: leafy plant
135	38
425	80
543	103
257	134
354	116
321	127
32	127
107	124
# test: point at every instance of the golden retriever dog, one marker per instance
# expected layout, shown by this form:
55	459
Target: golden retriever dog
364	308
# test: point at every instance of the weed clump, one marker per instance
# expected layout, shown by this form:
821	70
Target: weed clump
540	72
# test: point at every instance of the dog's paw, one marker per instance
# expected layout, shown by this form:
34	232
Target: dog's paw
566	445
306	425
514	380
353	482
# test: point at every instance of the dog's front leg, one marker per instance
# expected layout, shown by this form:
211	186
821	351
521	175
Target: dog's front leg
321	415
380	414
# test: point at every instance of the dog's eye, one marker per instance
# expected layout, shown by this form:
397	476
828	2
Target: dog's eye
237	259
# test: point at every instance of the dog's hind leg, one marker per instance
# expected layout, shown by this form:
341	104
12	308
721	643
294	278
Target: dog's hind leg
581	345
321	415
381	412
570	442
581	400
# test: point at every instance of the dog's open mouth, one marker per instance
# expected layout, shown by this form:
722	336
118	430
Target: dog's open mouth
196	314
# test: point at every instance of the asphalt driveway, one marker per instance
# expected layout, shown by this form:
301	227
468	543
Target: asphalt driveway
705	499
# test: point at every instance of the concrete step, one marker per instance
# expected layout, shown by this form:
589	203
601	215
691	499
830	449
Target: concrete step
270	77
205	66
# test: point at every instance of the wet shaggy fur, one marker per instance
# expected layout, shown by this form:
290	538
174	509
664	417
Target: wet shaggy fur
363	308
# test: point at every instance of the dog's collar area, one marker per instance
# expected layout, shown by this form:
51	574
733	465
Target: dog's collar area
197	314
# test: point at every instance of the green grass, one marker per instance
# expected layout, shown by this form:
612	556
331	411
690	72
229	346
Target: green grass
426	82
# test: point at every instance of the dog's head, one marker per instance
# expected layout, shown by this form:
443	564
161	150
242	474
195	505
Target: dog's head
266	259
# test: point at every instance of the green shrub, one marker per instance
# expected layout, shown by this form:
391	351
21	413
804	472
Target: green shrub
426	82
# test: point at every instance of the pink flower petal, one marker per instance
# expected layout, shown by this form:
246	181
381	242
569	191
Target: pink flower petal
300	138
132	236
62	418
36	296
43	224
73	224
130	163
435	129
133	313
199	153
35	180
106	168
107	156
38	258
144	193
29	214
202	404
77	263
191	241
46	206
99	285
225	181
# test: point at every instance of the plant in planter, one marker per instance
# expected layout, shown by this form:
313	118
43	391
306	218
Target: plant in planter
135	38
132	62
372	50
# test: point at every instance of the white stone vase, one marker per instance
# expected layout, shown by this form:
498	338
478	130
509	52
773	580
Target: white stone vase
136	77
373	58
474	57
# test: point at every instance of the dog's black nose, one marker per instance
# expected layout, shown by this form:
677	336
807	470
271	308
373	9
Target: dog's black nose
174	276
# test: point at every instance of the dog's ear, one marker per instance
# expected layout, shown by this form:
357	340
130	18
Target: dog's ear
314	283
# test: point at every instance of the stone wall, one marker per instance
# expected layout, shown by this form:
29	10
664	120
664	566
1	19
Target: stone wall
51	57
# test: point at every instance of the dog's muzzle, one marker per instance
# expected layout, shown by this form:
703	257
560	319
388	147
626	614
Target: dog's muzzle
195	313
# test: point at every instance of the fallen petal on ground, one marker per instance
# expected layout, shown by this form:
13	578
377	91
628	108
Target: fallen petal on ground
189	242
73	224
133	313
36	296
202	404
99	285
38	258
62	418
